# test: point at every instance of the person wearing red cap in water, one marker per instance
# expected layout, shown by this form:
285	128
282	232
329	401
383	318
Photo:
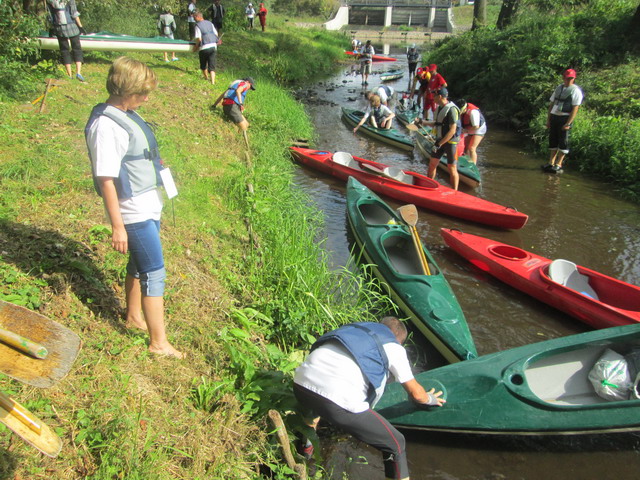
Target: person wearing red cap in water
436	82
563	108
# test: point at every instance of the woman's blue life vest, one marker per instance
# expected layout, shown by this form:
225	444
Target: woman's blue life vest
443	122
413	56
562	97
208	31
364	341
232	92
140	167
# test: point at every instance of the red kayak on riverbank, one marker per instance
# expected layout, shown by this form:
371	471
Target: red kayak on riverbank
375	58
589	296
410	187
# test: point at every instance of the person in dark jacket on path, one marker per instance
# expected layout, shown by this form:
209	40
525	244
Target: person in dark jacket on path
217	15
345	375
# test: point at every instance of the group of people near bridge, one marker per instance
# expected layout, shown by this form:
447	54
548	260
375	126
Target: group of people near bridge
459	121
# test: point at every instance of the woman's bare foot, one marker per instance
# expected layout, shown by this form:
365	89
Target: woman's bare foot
136	323
167	351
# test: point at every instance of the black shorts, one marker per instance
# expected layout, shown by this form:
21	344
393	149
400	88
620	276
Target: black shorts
558	136
208	59
448	149
233	112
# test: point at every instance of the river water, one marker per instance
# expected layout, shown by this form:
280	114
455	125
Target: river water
570	217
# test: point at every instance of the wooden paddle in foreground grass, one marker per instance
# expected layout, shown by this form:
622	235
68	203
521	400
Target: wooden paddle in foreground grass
409	214
28	427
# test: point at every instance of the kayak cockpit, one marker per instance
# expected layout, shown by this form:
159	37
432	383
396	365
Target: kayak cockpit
563	378
593	285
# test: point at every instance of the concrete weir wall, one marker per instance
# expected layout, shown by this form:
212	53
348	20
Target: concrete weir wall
436	15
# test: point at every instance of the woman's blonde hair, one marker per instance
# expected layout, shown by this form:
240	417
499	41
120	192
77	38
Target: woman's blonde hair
130	77
375	100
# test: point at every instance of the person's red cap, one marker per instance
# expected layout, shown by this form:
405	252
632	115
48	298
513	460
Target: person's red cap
419	70
569	73
433	67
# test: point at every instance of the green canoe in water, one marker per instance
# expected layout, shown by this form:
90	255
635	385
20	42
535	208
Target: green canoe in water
387	244
538	389
391	136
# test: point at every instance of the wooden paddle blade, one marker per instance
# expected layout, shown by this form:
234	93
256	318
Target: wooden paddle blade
412	127
409	214
44	439
61	343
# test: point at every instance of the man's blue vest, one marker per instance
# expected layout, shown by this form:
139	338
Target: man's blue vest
141	165
208	32
364	341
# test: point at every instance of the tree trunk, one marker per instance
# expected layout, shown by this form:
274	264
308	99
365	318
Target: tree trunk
479	14
507	13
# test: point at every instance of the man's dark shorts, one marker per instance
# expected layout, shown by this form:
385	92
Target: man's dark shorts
208	59
558	136
233	112
448	149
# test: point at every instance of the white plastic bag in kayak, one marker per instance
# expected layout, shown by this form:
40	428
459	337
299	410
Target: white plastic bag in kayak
610	377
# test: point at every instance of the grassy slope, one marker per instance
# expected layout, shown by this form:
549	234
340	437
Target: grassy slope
121	412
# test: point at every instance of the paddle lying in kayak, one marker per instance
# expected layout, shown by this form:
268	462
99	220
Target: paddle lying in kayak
538	389
388	245
587	295
410	187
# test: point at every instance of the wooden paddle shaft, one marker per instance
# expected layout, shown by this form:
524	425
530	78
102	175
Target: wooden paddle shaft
423	259
20	413
23	344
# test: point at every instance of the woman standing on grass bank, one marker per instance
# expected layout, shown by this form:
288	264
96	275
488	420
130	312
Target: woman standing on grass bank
67	27
127	168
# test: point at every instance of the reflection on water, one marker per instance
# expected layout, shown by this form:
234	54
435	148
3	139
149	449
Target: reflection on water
570	217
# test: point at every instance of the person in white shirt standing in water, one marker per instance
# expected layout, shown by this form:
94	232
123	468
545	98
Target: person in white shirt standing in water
563	108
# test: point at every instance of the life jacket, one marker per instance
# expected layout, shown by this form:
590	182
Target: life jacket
466	117
141	165
61	16
366	54
166	21
412	57
208	31
443	122
563	97
377	114
364	341
231	95
387	89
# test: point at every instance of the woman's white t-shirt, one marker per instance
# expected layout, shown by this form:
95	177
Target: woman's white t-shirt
108	143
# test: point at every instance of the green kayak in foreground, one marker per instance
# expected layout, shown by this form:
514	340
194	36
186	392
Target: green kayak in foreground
538	389
387	244
389	136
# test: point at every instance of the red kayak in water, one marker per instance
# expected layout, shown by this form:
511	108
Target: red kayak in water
589	296
375	58
410	187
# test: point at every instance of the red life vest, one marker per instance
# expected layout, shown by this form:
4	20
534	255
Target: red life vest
466	117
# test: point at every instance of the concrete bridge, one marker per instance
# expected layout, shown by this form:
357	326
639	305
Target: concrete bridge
434	14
